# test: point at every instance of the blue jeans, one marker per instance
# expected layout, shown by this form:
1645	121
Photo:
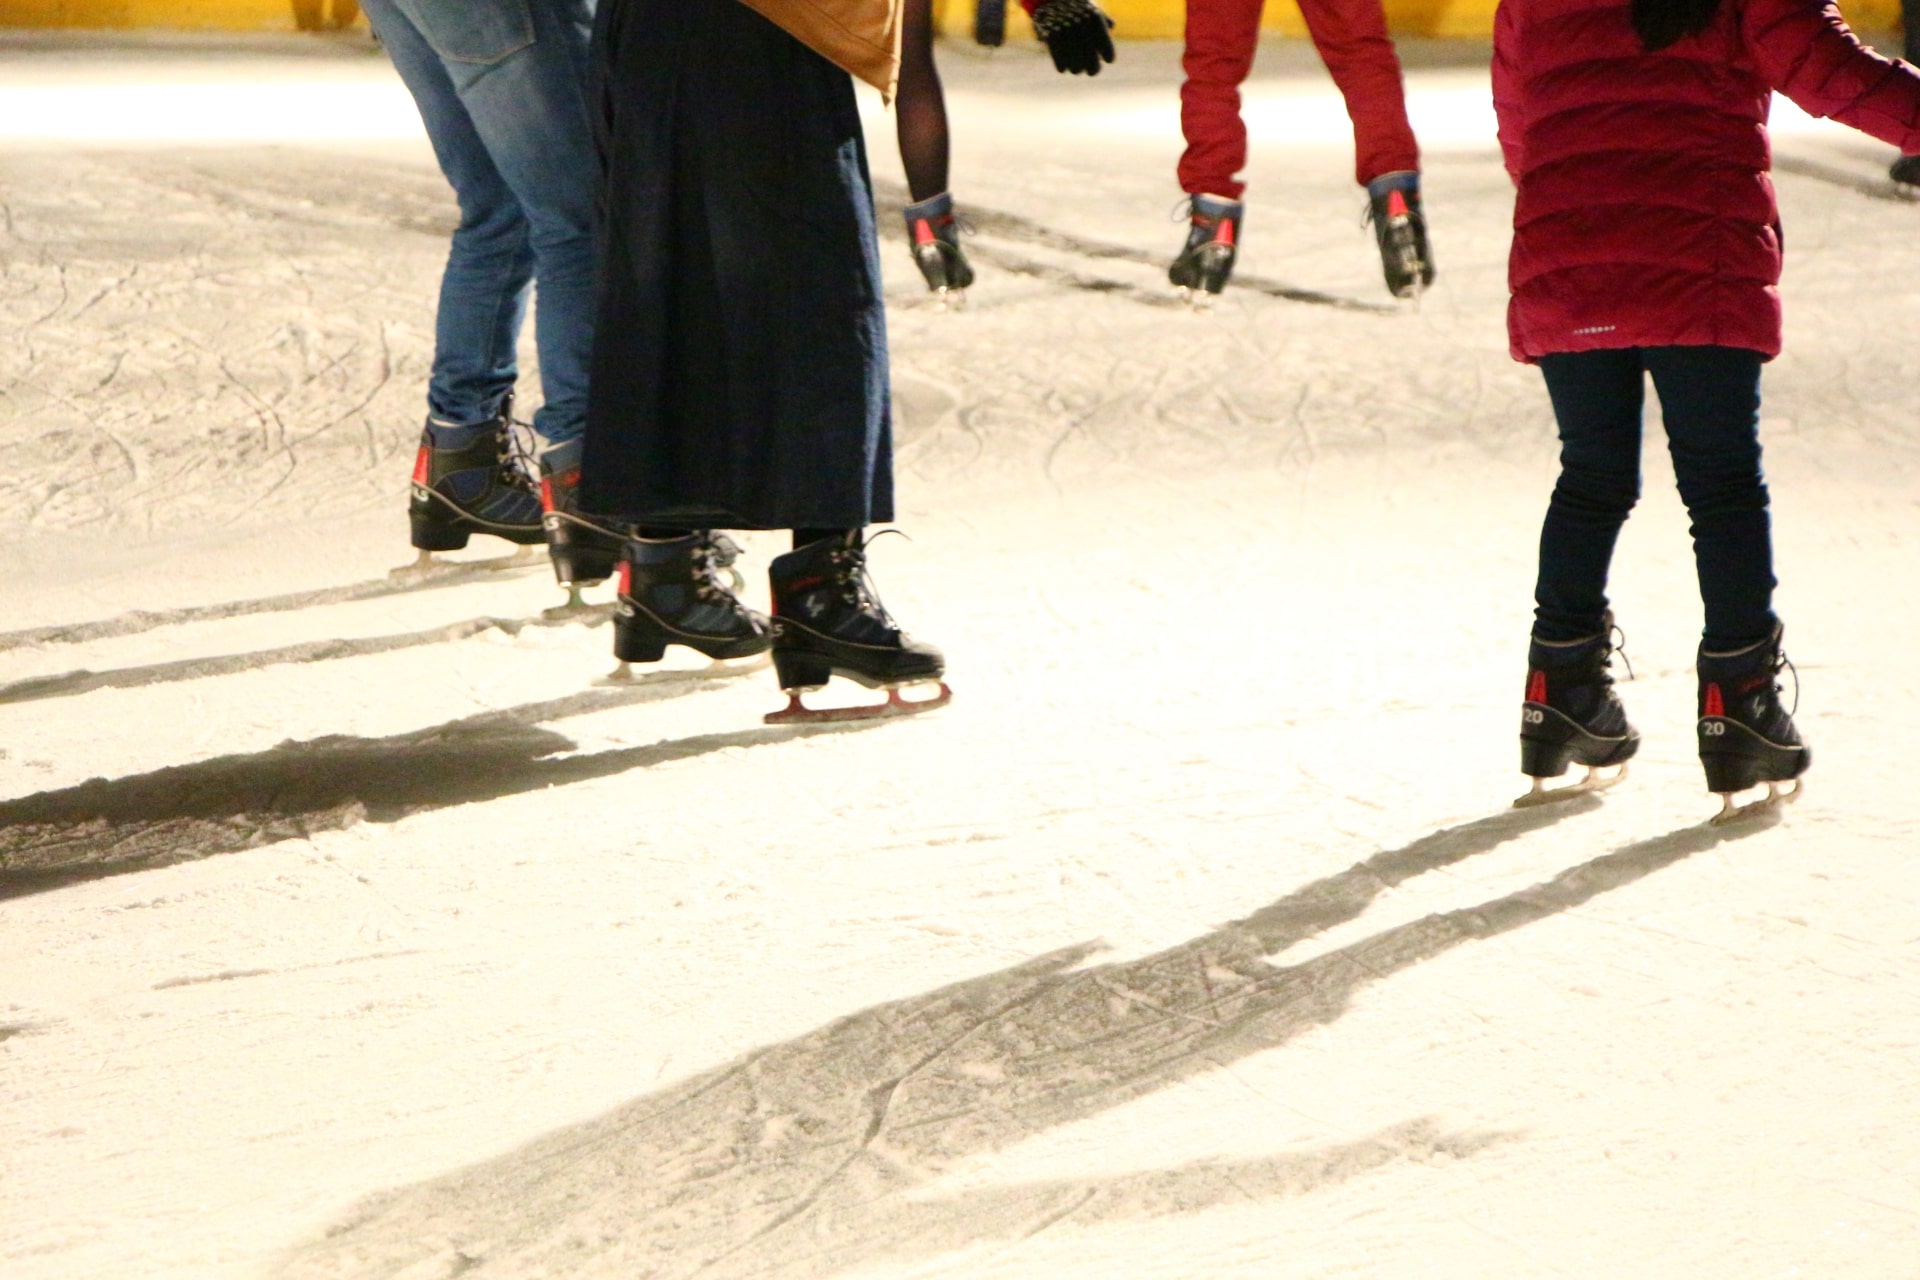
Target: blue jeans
1710	400
502	88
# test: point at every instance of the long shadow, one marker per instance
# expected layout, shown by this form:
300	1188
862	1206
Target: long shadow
890	199
68	683
140	620
1875	188
108	827
797	1158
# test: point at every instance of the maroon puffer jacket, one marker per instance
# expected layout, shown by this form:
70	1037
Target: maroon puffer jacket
1645	216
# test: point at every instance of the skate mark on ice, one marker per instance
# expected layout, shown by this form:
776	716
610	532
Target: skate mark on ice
112	827
797	1159
142	620
891	199
1876	188
237	975
69	683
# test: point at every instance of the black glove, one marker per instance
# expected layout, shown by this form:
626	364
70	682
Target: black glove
1076	35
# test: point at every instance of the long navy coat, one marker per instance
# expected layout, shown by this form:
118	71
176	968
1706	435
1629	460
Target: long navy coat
740	357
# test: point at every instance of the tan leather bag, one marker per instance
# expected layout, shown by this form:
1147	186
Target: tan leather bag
862	37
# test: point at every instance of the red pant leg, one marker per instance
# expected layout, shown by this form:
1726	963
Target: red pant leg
1351	36
1221	35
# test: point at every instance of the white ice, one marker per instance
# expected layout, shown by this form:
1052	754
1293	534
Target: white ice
1196	937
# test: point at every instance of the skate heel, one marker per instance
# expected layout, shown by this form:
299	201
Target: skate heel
576	562
801	670
1541	758
636	638
1215	265
435	531
1735	758
1727	772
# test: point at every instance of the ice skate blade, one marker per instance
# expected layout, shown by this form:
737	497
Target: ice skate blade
622	676
1594	781
576	608
1199	301
798	712
948	299
1778	796
427	566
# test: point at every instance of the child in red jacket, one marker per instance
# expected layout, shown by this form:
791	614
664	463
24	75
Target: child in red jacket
1351	38
1646	241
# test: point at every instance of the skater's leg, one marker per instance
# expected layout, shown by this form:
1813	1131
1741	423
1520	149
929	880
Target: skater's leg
490	262
1221	36
921	106
1710	399
1597	401
524	87
1351	37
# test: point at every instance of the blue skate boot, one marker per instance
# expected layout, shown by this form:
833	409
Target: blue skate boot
469	480
679	591
828	622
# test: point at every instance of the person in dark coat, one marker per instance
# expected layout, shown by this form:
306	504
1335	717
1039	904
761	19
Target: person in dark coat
1646	241
739	373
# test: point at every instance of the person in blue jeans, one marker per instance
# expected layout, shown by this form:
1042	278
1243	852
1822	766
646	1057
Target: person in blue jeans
502	89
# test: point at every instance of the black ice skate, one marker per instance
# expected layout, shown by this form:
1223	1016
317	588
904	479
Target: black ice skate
1213	239
584	547
1906	171
678	591
1571	715
1400	229
1747	739
476	487
828	622
935	238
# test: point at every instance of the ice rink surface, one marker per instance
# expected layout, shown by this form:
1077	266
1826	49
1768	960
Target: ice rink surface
354	933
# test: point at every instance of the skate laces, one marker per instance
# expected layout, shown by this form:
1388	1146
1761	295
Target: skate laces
1617	643
856	582
1780	661
712	555
516	449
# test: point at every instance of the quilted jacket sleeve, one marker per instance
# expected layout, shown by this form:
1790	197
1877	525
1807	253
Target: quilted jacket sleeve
1506	87
1805	50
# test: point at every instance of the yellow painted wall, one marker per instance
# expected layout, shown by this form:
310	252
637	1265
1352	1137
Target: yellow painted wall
1137	19
183	15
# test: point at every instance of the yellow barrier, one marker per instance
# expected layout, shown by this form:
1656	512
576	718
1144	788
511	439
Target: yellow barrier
1136	19
183	15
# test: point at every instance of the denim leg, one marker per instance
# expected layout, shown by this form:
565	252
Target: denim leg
529	106
501	85
1597	400
1710	398
483	290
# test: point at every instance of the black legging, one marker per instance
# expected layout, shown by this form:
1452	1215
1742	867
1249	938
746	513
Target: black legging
921	106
